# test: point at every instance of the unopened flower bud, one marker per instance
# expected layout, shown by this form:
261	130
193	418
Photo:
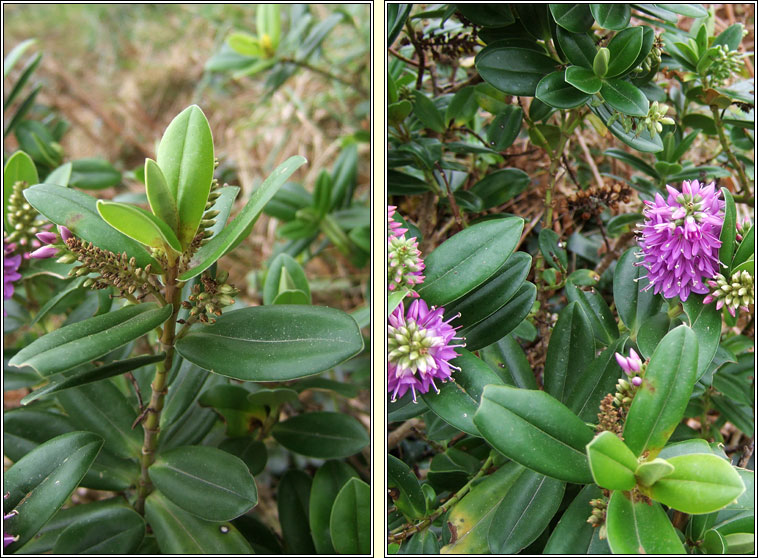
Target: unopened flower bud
44	252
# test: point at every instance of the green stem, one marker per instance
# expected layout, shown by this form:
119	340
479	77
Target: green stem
151	423
405	531
744	185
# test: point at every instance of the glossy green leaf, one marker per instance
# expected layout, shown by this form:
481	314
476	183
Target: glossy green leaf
470	518
93	174
458	399
650	472
493	294
658	405
516	71
570	351
94	374
637	527
78	212
239	227
505	127
553	90
515	421
651	332
327	482
487	15
624	48
38	484
579	48
597	311
468	258
273	343
322	434
231	402
34	137
102	408
731	36
503	321
612	463
274	277
611	16
739	515
140	225
427	113
224	204
594	382
507	359
19	168
498	187
640	141
714	543
350	520
687	10
180	532
410	500
739	543
60	176
15	55
119	530
700	483
633	304
572	17
293	495
185	155
162	201
462	107
728	229
625	97
572	534
583	79
705	321
205	481
252	452
423	542
745	250
519	519
87	340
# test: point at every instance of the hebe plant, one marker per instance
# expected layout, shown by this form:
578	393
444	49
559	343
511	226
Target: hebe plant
571	363
125	398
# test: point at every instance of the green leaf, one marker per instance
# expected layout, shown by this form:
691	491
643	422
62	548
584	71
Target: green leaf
493	294
458	399
245	44
119	530
102	408
322	434
699	483
595	382
636	527
293	495
714	543
625	97
572	534
611	16
519	519
597	311
427	113
728	230
503	321
500	186
308	340
515	421
185	155
205	481
463	107
94	374
467	259
19	168
350	521
658	405
507	359
15	55
87	340
26	73
739	515
39	483
583	79
570	351
252	452
78	212
487	15
161	199
471	517
612	463
93	174
731	36
579	48
397	112
650	472
633	305
572	17
180	532
235	231
282	264
687	10
640	141
739	543
624	48
516	71
504	129
705	321
745	250
554	91
140	225
423	542
60	176
410	501
327	482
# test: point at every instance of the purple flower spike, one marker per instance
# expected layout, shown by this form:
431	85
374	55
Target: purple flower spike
44	252
396	229
65	233
420	349
11	264
47	237
680	239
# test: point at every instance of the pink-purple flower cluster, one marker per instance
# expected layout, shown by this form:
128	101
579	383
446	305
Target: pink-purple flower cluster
49	240
11	263
395	228
404	262
419	349
680	239
631	366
